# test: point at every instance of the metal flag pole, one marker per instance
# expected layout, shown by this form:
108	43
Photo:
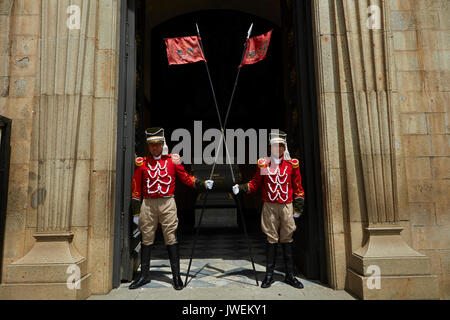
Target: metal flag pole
238	203
215	161
234	181
231	100
212	171
210	176
238	73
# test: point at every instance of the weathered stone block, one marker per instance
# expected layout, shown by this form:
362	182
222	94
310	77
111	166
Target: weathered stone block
417	145
27	7
414	123
431	237
407	61
405	40
423	214
437	123
402	20
399	5
441	168
26	25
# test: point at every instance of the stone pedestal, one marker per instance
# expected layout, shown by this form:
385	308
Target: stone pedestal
53	269
403	272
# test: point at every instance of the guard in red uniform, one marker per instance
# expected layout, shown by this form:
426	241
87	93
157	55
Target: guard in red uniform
154	182
283	197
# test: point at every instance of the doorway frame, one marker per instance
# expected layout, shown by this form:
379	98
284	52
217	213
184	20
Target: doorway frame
5	154
122	260
125	139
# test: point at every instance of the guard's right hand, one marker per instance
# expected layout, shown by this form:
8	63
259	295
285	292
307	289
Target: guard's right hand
235	189
136	219
209	184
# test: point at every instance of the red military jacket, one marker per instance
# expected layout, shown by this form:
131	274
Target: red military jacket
280	183
156	178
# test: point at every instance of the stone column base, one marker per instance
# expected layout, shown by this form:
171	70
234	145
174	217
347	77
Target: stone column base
395	287
45	291
403	272
53	269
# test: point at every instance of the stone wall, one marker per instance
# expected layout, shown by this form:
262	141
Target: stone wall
18	100
5	13
421	31
63	101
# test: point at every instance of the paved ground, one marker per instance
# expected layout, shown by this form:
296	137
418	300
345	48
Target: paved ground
213	277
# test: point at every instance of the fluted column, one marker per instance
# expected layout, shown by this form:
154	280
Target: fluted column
371	69
63	55
368	52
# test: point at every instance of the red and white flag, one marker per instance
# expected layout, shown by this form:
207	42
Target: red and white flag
256	48
184	50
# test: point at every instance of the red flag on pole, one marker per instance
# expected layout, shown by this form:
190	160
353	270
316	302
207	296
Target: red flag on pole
256	48
184	50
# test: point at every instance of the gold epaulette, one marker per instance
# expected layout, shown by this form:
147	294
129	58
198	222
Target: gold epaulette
295	163
262	163
139	161
176	159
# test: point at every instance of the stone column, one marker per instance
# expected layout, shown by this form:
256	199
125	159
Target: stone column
64	83
371	70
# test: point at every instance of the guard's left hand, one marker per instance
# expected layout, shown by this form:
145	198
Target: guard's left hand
298	207
209	184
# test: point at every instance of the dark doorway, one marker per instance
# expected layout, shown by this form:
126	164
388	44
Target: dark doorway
181	95
278	92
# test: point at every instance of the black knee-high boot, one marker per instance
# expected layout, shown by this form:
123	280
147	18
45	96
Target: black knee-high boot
145	268
289	264
175	265
271	256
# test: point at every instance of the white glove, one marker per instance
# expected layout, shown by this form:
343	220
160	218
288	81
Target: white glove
235	189
209	184
296	215
136	219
